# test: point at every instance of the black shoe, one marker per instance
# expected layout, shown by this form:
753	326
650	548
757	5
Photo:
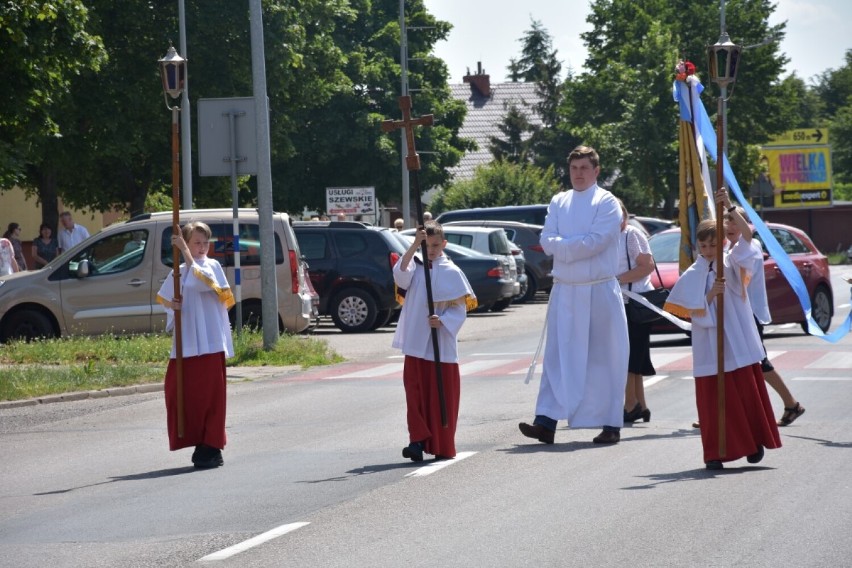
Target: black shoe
207	457
413	451
646	415
607	437
195	454
537	432
756	456
631	416
714	464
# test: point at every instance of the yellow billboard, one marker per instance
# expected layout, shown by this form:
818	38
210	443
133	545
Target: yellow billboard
799	176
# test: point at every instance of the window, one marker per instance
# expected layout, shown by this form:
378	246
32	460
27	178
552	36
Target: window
113	254
458	239
789	242
222	245
314	245
350	244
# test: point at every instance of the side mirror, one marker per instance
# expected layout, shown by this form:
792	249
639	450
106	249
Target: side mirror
82	269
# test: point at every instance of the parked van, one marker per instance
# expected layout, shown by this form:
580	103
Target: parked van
109	282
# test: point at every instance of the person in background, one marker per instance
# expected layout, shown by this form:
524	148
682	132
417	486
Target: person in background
635	265
205	297
759	303
749	426
13	233
341	216
584	369
427	216
71	233
45	246
8	265
399	224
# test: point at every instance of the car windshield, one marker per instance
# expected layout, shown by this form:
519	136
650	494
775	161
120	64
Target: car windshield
665	246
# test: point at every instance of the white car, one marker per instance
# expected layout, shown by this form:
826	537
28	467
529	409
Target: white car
487	240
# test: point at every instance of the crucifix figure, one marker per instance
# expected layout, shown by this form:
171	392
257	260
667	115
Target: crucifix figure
412	164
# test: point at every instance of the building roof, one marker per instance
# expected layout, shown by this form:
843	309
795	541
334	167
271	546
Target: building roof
487	105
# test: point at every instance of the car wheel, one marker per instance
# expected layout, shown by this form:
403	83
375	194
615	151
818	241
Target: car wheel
532	288
522	295
383	318
252	316
820	309
28	325
501	305
354	311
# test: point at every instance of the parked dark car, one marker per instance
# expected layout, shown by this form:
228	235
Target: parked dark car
350	265
783	303
538	266
488	276
653	225
533	214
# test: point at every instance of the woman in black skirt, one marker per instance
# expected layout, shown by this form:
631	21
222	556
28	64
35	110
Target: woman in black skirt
635	264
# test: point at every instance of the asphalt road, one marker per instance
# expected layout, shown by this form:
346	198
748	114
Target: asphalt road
92	483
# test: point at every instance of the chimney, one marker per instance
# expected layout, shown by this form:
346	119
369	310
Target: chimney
479	83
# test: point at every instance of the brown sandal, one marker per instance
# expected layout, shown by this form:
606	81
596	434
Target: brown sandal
790	414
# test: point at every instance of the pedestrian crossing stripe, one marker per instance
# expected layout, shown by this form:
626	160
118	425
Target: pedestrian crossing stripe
482	365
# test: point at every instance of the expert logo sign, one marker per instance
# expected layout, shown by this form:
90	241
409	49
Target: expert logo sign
350	200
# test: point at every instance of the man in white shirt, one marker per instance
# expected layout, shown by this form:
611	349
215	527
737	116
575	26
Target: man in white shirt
70	234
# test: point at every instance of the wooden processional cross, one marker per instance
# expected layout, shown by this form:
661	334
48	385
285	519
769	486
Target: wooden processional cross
412	164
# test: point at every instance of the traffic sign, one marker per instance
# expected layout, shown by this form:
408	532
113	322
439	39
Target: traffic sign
800	137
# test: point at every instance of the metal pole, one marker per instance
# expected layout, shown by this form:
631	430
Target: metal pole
232	127
720	277
269	284
403	63
185	132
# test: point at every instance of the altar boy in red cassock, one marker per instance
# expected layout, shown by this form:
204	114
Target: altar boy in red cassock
453	297
749	422
206	337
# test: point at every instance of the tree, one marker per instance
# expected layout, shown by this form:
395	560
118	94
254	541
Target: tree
834	87
44	45
626	90
517	129
499	183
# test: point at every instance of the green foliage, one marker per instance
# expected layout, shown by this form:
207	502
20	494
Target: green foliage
499	183
44	45
95	363
517	130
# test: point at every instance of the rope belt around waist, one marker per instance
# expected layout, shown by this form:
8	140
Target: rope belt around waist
589	283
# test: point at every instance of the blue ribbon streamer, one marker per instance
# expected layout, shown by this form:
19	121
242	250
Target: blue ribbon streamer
788	269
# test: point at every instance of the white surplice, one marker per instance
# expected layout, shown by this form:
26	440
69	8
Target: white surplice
689	297
205	299
451	294
585	359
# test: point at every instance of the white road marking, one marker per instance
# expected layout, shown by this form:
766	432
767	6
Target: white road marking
654	380
381	370
474	367
252	542
663	358
538	370
821	379
834	360
437	465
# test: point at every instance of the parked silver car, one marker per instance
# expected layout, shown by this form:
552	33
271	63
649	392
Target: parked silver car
109	282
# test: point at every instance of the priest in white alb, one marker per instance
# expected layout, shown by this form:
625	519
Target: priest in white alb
585	358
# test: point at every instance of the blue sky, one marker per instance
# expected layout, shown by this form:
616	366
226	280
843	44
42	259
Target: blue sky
488	31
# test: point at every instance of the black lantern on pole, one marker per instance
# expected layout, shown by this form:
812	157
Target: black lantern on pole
723	60
173	73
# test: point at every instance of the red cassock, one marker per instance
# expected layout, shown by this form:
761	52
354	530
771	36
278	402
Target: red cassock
424	409
204	386
749	420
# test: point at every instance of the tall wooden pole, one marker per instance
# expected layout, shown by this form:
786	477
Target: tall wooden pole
720	276
176	268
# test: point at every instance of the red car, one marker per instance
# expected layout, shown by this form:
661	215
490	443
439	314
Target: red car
783	302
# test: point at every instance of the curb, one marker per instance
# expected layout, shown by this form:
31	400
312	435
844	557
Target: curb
234	374
72	396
